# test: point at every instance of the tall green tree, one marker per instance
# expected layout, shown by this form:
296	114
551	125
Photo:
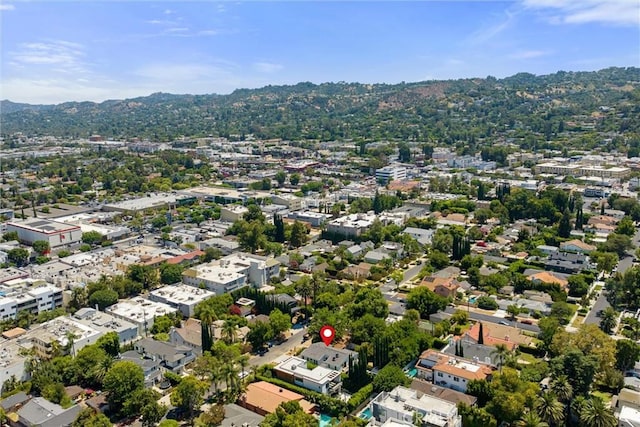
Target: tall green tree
189	395
121	383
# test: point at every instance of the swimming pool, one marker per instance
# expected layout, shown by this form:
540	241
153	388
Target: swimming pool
472	299
366	414
412	373
325	420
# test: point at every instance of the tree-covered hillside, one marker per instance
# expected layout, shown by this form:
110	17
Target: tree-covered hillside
446	111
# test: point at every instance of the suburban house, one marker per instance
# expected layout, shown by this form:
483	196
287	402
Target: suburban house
577	245
172	357
450	371
566	262
318	378
189	334
263	398
549	277
443	393
42	413
329	357
446	287
403	405
150	367
494	334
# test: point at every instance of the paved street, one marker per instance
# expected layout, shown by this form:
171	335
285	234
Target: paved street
602	303
291	344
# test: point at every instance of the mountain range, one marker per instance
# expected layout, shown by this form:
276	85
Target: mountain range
443	110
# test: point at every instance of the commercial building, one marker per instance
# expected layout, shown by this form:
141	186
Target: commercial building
151	201
320	379
181	297
56	233
141	312
391	173
576	169
232	272
404	405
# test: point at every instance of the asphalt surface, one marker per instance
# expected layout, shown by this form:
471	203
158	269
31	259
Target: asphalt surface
602	303
294	341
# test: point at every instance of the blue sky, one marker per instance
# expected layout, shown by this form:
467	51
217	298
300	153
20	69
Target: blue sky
53	52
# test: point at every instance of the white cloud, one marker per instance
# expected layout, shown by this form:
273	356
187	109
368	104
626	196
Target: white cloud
59	53
267	67
485	34
615	12
208	33
528	54
7	7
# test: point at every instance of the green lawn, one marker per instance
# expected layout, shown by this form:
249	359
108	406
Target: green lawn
578	321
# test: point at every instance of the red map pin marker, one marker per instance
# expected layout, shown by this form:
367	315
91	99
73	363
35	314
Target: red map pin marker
327	333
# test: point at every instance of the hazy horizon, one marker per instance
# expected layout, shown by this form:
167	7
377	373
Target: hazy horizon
54	52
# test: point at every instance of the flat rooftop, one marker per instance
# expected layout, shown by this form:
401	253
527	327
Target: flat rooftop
298	367
182	294
140	309
43	225
153	200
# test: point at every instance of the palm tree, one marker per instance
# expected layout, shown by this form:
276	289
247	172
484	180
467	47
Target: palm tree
500	353
561	387
531	419
596	414
229	332
70	346
303	288
549	409
609	320
100	370
512	358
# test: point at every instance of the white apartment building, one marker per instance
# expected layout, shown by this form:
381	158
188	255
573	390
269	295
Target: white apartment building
181	297
315	219
391	173
56	233
232	213
141	312
352	225
402	403
320	379
232	272
12	362
30	295
105	323
293	203
65	333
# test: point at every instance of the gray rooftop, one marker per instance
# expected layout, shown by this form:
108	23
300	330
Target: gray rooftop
322	354
237	416
13	400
